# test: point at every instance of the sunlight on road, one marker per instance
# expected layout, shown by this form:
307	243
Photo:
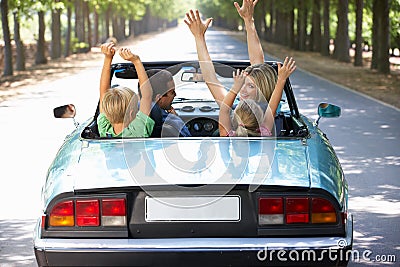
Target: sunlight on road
173	44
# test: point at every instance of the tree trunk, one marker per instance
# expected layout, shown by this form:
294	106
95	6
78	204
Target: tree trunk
291	35
375	34
20	49
67	47
358	60
316	26
342	42
95	27
8	68
326	38
107	22
114	24
132	28
41	42
86	17
55	50
261	17
302	26
79	21
271	29
383	37
281	28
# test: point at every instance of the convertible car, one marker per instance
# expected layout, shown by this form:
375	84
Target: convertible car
203	200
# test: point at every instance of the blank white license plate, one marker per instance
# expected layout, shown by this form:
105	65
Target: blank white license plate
199	208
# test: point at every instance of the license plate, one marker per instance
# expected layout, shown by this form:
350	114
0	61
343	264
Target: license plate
199	208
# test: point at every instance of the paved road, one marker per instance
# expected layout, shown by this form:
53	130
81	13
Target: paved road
366	138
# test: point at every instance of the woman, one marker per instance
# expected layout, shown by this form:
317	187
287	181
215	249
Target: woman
259	80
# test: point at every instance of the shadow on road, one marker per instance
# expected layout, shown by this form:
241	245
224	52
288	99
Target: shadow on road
16	247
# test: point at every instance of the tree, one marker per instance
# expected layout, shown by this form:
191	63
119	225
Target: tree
41	42
20	50
342	41
271	28
381	35
302	26
67	46
55	46
358	60
326	38
20	9
316	26
8	68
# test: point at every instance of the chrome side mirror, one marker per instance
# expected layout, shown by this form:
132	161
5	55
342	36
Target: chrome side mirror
326	110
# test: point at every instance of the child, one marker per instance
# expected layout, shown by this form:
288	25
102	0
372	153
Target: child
119	115
248	117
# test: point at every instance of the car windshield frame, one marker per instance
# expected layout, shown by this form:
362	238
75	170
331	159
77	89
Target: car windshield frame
223	70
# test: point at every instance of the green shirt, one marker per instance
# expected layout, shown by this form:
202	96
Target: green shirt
141	126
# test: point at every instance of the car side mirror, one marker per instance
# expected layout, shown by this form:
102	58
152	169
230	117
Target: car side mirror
66	111
326	110
192	77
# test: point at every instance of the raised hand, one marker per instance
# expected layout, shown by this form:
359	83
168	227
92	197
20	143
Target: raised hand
195	24
246	11
288	67
127	54
238	80
108	49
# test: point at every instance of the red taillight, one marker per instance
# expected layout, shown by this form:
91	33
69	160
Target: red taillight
270	210
114	212
320	205
62	214
270	206
323	211
87	213
297	210
113	207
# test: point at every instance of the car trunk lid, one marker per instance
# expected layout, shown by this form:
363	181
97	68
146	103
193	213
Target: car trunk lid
192	161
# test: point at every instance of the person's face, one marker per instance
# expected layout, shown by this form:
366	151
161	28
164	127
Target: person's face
165	101
249	89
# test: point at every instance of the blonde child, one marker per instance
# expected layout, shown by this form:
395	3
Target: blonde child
119	115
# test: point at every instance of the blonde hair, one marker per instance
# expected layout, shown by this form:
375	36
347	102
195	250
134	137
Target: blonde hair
118	102
265	78
247	118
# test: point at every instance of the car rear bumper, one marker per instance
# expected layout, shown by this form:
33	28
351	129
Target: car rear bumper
195	251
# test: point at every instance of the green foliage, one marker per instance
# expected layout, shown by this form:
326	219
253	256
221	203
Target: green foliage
394	14
218	9
79	47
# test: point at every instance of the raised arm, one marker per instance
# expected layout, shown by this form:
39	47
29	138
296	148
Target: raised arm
198	29
225	125
246	11
108	50
145	86
284	71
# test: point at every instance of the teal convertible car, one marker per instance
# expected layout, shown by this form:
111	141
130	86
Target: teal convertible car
202	200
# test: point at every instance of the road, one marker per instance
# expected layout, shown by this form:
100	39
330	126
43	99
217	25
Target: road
366	138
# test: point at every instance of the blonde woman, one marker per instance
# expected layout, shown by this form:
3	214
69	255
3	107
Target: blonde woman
119	115
248	117
256	54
